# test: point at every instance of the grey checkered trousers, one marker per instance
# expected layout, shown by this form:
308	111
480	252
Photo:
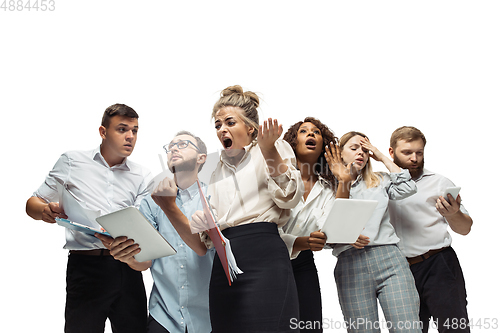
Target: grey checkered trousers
377	272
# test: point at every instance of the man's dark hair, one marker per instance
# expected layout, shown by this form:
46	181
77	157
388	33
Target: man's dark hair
202	148
117	110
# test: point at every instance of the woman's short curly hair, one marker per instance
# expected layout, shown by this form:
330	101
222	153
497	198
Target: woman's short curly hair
321	167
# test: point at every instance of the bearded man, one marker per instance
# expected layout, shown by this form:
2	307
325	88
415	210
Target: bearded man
179	298
421	222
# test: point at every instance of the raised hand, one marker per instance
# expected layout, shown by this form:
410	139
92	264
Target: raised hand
336	164
269	132
165	193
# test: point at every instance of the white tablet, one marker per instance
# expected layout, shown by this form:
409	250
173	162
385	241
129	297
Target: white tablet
131	223
347	220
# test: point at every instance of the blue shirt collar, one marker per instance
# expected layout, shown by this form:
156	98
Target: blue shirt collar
188	193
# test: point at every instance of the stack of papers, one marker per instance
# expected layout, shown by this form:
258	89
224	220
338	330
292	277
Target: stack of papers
80	218
221	243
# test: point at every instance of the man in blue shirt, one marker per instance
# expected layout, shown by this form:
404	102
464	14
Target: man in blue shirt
179	298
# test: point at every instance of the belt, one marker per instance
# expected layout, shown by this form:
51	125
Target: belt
96	252
422	257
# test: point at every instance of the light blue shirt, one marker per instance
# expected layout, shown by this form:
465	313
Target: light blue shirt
394	186
179	297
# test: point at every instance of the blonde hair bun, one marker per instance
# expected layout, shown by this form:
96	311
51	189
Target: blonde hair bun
232	90
244	97
248	101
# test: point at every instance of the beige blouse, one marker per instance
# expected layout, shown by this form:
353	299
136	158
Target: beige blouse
247	193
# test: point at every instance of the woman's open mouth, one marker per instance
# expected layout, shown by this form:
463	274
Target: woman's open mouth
311	144
227	143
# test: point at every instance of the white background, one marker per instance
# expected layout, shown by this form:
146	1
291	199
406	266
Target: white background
369	66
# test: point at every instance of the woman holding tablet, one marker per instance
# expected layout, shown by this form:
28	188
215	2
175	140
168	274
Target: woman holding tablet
301	233
374	267
252	190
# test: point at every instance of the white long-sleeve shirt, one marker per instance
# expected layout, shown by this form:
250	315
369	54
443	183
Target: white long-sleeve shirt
416	219
309	215
87	176
247	193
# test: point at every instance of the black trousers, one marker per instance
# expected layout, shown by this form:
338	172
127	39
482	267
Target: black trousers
100	287
307	281
263	298
441	287
156	327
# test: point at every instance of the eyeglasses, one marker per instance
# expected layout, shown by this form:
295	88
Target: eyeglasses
181	144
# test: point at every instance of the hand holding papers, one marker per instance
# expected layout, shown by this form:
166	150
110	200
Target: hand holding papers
221	243
127	222
80	227
80	218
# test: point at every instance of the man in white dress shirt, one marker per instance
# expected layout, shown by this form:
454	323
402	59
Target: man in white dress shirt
421	222
99	287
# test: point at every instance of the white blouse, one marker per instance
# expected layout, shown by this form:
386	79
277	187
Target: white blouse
309	215
247	193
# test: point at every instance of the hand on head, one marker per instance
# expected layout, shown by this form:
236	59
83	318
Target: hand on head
373	151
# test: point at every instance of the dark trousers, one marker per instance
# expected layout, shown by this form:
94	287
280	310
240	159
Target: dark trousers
100	287
441	287
307	281
156	327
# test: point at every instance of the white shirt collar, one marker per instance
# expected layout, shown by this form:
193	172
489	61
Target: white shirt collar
425	172
97	156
